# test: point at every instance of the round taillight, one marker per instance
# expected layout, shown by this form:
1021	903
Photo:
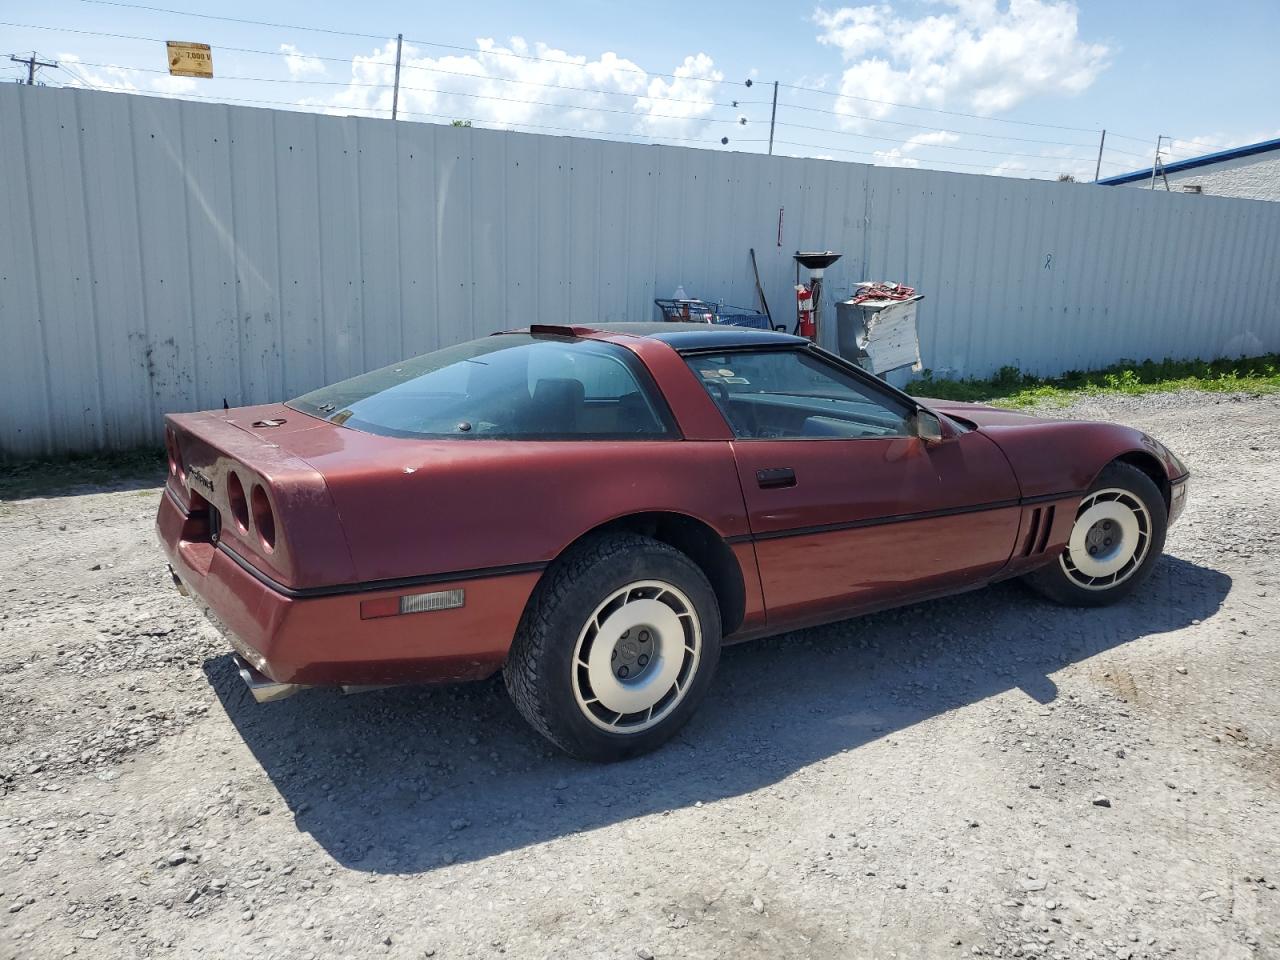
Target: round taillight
263	517
239	504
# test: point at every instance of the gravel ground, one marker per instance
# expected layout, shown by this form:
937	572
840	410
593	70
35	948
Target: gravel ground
985	775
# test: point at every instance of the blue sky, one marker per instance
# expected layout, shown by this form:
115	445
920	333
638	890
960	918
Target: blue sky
889	83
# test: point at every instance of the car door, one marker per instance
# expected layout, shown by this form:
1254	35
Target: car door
849	509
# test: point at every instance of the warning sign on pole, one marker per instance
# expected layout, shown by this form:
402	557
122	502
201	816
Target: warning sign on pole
190	59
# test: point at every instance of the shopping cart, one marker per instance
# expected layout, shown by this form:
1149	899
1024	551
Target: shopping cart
703	311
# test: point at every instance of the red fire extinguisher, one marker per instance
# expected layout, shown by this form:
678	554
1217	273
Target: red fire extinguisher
804	312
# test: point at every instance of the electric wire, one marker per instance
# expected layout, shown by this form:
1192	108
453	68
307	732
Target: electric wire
379	112
452	93
956	163
385	37
942	146
921	126
564	63
568	63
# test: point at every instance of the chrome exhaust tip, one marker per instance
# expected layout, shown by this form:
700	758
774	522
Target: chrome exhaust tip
263	688
177	581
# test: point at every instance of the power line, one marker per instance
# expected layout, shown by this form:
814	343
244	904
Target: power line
971	116
921	126
943	146
515	100
935	109
71	71
337	108
407	66
912	106
868	153
566	63
371	36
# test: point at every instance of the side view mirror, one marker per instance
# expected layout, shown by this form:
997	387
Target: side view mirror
929	427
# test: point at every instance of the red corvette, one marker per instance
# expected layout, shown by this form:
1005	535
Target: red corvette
595	511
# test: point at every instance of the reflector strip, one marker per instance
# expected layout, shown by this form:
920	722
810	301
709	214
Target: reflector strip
425	602
412	603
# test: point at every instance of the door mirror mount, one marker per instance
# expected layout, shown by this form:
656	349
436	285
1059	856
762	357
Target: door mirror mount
929	427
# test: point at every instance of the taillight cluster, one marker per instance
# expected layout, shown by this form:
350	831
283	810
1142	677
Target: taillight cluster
264	517
236	499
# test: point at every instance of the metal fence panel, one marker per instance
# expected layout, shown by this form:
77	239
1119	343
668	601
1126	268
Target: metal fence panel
160	255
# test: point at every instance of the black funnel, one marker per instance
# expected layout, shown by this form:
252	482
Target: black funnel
817	261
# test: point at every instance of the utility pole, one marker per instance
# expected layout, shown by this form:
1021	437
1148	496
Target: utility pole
1101	143
32	64
395	94
773	115
1156	164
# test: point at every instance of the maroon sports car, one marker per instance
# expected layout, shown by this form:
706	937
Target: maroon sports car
594	511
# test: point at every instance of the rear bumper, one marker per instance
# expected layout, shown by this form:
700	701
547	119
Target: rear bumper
323	640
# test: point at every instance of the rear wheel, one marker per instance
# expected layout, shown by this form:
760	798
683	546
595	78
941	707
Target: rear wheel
1117	535
617	647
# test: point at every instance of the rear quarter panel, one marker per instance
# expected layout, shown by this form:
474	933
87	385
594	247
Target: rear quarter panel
422	507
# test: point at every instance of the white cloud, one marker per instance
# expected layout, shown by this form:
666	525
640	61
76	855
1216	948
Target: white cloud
174	84
975	55
897	157
935	138
523	83
106	78
299	64
689	97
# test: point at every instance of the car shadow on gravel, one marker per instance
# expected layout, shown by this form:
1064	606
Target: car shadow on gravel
407	780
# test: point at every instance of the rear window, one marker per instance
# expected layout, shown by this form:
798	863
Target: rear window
510	386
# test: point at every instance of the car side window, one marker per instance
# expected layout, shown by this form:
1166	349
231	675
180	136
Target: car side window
792	395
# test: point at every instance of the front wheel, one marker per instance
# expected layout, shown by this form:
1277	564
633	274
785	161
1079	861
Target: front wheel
1117	535
617	648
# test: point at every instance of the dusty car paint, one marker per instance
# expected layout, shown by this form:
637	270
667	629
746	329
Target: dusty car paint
868	523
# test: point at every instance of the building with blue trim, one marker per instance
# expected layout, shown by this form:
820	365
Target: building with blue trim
1251	172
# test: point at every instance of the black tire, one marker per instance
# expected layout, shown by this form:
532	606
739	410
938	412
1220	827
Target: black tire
1059	584
540	670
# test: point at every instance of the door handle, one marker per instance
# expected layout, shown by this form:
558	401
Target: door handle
774	477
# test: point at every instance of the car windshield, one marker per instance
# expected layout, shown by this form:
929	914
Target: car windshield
509	386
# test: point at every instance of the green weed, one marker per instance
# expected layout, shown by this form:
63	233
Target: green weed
1010	387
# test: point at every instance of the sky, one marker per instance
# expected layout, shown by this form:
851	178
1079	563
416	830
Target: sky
1009	87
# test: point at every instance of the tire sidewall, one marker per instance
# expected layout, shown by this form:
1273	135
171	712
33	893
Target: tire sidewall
1054	581
650	561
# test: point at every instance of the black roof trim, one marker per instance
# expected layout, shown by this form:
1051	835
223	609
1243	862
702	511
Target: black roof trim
702	336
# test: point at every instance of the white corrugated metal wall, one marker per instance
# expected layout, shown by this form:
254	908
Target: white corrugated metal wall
160	255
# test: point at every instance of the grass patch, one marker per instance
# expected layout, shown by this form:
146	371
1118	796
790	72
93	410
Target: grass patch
1010	387
56	476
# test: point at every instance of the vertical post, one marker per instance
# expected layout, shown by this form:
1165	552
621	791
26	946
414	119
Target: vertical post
32	62
395	94
1101	143
773	115
1155	162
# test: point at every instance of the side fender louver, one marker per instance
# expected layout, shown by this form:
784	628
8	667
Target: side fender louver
1039	525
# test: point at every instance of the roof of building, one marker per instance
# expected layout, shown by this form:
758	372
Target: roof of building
1235	153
